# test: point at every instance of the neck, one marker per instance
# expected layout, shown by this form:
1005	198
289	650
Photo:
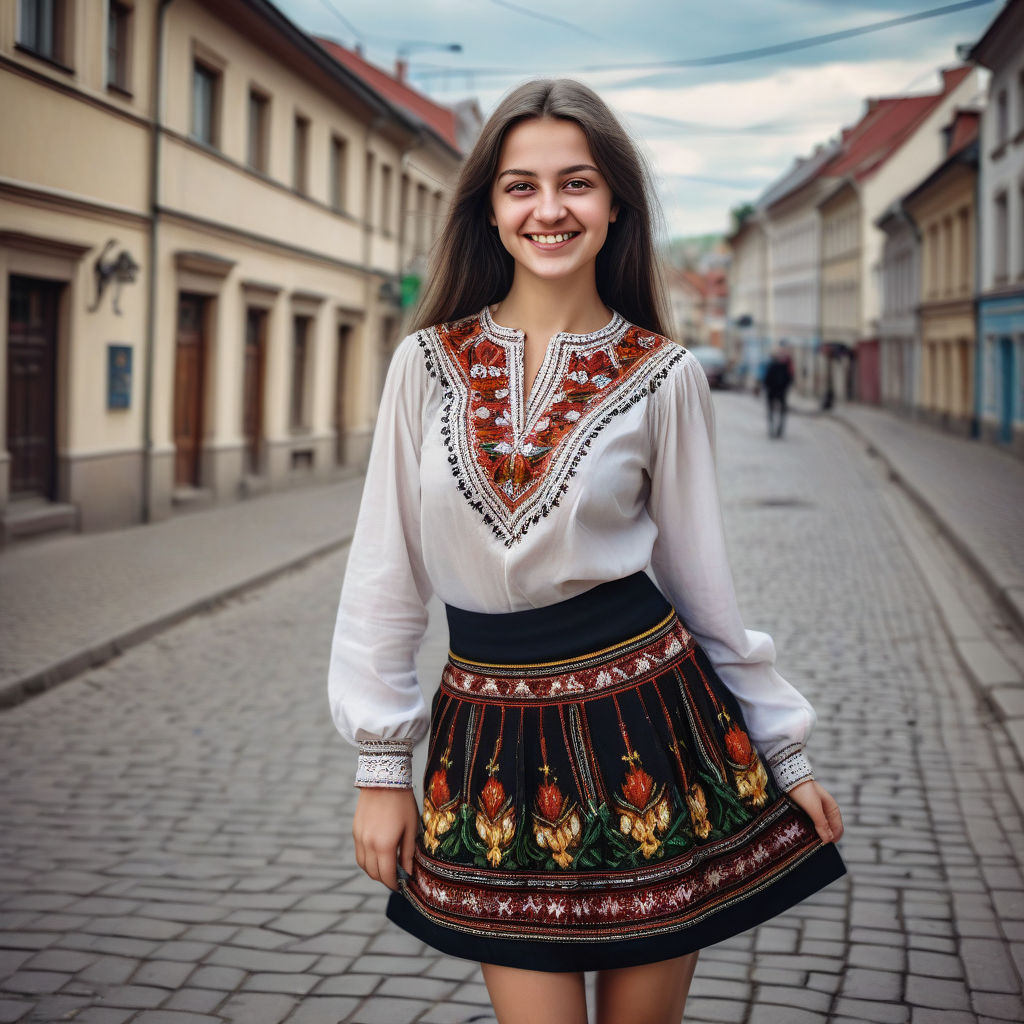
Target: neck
571	306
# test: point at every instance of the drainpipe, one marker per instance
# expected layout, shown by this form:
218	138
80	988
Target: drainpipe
369	291
154	220
403	237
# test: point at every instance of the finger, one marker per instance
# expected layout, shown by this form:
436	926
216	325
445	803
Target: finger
835	820
387	866
817	816
407	847
360	854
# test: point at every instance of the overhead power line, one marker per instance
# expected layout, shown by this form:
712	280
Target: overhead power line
727	58
550	19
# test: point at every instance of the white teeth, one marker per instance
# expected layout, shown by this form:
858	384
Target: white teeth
551	239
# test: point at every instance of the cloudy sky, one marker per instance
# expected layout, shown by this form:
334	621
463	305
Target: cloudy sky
717	133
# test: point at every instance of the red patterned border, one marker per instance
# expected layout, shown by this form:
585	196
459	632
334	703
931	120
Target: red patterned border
557	911
588	674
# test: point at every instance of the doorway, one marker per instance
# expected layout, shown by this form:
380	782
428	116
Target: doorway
189	386
32	386
341	373
252	389
1006	380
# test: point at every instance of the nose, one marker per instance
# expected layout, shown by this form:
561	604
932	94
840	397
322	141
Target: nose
550	207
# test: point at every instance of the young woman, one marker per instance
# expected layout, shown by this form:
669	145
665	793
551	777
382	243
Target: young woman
615	774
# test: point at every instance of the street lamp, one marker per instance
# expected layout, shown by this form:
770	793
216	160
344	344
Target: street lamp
401	62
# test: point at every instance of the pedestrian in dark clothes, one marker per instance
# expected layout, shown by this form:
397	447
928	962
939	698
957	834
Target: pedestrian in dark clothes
778	376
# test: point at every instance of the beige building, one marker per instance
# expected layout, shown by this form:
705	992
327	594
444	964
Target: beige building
748	315
205	219
841	314
943	208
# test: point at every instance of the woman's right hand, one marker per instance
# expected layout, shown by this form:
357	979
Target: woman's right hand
384	829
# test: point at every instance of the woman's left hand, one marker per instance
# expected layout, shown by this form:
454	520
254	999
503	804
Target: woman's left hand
821	807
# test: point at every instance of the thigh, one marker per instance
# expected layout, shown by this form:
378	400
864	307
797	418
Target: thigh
535	997
648	994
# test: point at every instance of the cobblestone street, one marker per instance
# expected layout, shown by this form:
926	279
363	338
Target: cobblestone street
176	824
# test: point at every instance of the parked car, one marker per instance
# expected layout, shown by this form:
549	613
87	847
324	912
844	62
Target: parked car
714	364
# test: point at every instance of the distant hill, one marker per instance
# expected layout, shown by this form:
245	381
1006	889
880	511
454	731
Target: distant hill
695	252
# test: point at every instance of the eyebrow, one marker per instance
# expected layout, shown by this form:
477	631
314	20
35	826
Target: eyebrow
575	169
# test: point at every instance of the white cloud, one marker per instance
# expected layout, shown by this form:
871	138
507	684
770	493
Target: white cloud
792	111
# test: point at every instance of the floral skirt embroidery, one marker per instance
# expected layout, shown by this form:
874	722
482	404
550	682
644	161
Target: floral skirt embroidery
598	809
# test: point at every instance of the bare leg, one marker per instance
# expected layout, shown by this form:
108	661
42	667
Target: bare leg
535	997
648	994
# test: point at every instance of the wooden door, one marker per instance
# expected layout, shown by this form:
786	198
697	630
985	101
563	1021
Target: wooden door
189	365
31	385
252	388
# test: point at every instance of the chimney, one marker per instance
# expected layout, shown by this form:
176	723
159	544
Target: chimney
401	66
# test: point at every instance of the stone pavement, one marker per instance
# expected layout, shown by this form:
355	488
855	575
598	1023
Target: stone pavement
176	844
974	490
75	601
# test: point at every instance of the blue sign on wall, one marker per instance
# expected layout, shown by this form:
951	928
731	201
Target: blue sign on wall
119	376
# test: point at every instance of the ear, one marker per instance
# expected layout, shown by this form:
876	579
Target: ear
491	219
614	213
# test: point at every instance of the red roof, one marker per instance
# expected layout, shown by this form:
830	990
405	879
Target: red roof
440	119
888	123
963	130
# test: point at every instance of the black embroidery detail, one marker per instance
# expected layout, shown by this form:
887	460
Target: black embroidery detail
429	337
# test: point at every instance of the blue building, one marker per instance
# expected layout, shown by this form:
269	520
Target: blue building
999	393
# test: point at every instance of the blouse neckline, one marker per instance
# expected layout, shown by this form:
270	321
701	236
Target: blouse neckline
512	335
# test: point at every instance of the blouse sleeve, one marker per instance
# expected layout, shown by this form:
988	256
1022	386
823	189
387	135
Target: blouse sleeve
691	563
374	695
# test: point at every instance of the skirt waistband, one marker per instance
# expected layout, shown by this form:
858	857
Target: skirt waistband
608	614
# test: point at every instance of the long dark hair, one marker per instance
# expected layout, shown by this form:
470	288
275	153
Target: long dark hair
470	268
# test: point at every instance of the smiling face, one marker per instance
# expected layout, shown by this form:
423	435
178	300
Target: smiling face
549	202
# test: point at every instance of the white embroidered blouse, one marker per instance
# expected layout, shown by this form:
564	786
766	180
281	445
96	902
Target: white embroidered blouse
498	501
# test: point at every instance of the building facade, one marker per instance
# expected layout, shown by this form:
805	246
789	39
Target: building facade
748	316
204	222
792	221
898	328
841	323
943	209
999	392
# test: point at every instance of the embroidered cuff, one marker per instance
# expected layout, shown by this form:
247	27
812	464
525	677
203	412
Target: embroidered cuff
790	766
385	763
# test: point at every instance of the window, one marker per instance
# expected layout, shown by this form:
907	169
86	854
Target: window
368	186
1020	231
300	363
205	101
259	129
300	155
966	281
421	216
1002	118
119	24
947	255
1001	235
1020	101
403	210
933	260
438	214
41	28
385	198
338	172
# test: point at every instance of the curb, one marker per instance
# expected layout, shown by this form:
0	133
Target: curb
997	591
38	681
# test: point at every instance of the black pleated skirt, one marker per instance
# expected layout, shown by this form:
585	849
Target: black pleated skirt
592	798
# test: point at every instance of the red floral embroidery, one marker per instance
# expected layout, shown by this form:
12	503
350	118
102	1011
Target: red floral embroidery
515	467
578	907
